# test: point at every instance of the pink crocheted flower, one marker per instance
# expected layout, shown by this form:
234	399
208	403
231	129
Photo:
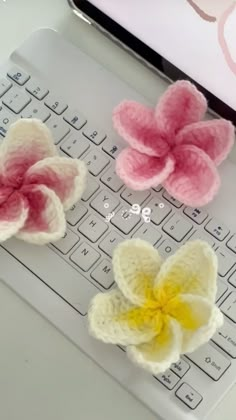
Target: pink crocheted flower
36	185
170	145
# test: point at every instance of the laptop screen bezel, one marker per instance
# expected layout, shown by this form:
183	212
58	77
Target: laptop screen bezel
159	62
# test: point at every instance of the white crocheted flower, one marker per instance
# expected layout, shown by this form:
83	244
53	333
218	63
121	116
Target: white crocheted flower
160	310
36	185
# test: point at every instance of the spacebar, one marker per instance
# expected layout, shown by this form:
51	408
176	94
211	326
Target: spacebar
72	286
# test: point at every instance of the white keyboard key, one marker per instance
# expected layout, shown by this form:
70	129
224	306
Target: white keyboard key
96	162
180	368
135	197
16	100
110	242
92	187
159	210
125	221
74	118
177	227
111	180
18	75
199	234
104	203
37	89
231	244
6	119
221	289
85	256
75	145
217	229
225	261
103	274
113	148
210	360
167	248
148	233
95	134
232	279
67	282
225	338
75	214
58	128
65	244
169	379
172	200
196	214
36	110
228	307
93	228
189	396
56	104
5	85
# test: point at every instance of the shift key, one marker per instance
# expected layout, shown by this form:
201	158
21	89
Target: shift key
210	360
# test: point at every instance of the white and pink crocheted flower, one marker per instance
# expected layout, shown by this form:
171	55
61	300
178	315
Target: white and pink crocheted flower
171	145
36	185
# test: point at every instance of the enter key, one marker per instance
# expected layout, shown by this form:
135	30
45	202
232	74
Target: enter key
225	338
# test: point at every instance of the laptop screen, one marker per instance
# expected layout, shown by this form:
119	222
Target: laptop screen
196	36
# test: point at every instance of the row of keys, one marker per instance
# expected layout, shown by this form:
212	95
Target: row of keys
176	227
88	256
17	100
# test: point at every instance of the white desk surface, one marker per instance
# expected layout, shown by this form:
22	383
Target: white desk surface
42	375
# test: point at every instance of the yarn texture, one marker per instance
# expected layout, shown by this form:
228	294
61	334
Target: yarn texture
171	145
36	185
159	310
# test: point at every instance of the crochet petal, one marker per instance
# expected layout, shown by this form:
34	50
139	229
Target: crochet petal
5	192
191	270
46	220
141	172
195	180
65	176
136	124
105	323
13	214
135	266
27	142
214	137
181	104
209	317
158	354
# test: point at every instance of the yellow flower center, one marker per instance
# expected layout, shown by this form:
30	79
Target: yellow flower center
161	304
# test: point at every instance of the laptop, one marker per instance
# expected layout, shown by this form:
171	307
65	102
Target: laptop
60	279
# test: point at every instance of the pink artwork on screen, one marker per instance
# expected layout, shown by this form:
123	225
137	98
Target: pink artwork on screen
223	13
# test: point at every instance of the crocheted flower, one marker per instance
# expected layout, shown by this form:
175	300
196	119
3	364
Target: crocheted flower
159	310
36	185
170	145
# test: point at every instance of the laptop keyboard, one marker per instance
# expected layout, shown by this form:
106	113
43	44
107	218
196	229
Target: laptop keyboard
103	219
